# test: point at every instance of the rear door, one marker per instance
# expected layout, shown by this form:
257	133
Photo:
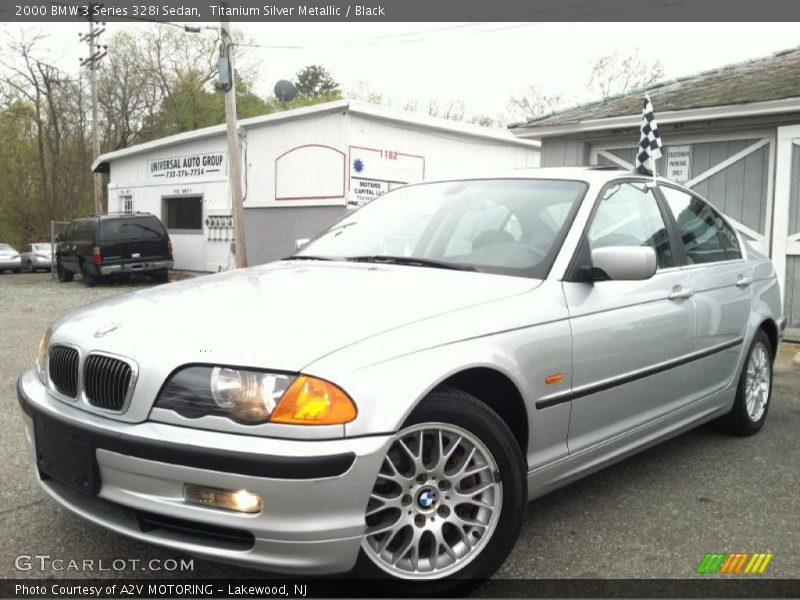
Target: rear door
130	239
630	337
722	283
67	249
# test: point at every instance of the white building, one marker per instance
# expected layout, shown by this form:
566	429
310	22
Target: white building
302	169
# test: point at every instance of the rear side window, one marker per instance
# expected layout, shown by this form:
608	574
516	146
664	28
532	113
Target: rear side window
706	236
82	231
132	228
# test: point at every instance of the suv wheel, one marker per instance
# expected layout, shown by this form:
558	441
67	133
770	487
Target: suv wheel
63	275
160	276
447	506
88	278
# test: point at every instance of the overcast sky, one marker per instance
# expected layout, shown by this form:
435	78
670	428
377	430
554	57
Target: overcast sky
482	64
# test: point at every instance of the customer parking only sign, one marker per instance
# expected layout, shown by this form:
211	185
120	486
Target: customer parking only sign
373	172
679	160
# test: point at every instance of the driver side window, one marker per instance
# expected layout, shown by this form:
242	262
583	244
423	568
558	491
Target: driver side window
628	215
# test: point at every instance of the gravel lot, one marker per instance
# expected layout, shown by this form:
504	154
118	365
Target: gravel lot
654	515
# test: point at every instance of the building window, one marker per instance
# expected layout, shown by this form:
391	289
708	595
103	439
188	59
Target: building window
184	213
127	205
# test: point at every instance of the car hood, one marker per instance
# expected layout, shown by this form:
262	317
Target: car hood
280	316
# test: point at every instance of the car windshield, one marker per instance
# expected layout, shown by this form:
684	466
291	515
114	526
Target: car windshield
6	248
42	247
505	226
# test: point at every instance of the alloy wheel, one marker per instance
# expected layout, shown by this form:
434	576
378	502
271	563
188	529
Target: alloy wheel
435	503
757	382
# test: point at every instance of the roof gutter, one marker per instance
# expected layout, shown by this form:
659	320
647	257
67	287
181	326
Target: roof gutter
731	111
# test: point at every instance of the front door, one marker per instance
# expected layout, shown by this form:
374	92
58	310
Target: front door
629	336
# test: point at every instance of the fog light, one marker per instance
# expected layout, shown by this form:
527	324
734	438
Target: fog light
238	500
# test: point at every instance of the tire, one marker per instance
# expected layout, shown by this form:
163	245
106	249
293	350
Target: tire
747	418
160	276
418	507
63	275
89	279
17	270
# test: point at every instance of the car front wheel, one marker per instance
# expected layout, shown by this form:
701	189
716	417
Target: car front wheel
447	505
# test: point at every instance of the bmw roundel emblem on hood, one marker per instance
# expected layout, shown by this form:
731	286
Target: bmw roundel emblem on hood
106	329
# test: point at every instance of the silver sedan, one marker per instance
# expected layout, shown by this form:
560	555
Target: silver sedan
387	399
37	256
9	259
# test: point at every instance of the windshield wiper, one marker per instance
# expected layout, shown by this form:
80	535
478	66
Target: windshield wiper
311	257
412	261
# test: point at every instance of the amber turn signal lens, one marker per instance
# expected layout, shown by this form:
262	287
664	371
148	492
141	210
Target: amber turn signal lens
311	401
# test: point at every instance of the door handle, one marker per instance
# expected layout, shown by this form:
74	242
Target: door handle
680	293
743	282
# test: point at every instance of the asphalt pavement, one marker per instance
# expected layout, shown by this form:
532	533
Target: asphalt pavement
651	516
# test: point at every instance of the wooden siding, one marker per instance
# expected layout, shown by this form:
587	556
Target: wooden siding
558	152
740	191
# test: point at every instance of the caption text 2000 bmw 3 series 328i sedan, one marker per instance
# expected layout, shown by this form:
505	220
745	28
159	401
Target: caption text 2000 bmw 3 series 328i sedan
387	399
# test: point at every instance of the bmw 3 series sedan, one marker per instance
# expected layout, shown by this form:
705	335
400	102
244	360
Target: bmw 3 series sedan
387	400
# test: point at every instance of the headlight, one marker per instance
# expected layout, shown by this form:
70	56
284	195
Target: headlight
41	357
253	397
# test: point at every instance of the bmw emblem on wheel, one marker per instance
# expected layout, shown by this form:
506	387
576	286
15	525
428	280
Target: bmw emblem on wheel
426	498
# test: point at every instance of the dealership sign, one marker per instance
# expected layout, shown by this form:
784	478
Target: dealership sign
192	165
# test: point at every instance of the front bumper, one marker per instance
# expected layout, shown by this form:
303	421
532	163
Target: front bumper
314	492
144	266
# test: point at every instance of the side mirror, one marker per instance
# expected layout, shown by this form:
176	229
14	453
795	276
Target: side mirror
59	237
300	242
624	263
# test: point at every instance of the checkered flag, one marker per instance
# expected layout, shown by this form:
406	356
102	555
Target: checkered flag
649	142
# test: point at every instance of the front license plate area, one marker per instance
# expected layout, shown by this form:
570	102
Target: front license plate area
63	455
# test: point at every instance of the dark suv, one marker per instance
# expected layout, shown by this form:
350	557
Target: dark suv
114	244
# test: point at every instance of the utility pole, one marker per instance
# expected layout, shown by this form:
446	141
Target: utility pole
95	55
228	86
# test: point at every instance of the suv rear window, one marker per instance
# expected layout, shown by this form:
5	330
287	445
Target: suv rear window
131	228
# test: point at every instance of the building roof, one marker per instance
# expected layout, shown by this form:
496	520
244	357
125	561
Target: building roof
771	83
346	105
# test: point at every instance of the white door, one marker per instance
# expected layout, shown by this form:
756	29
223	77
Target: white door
786	241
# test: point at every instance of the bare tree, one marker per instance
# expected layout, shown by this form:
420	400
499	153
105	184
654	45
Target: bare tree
365	93
615	74
127	93
533	103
